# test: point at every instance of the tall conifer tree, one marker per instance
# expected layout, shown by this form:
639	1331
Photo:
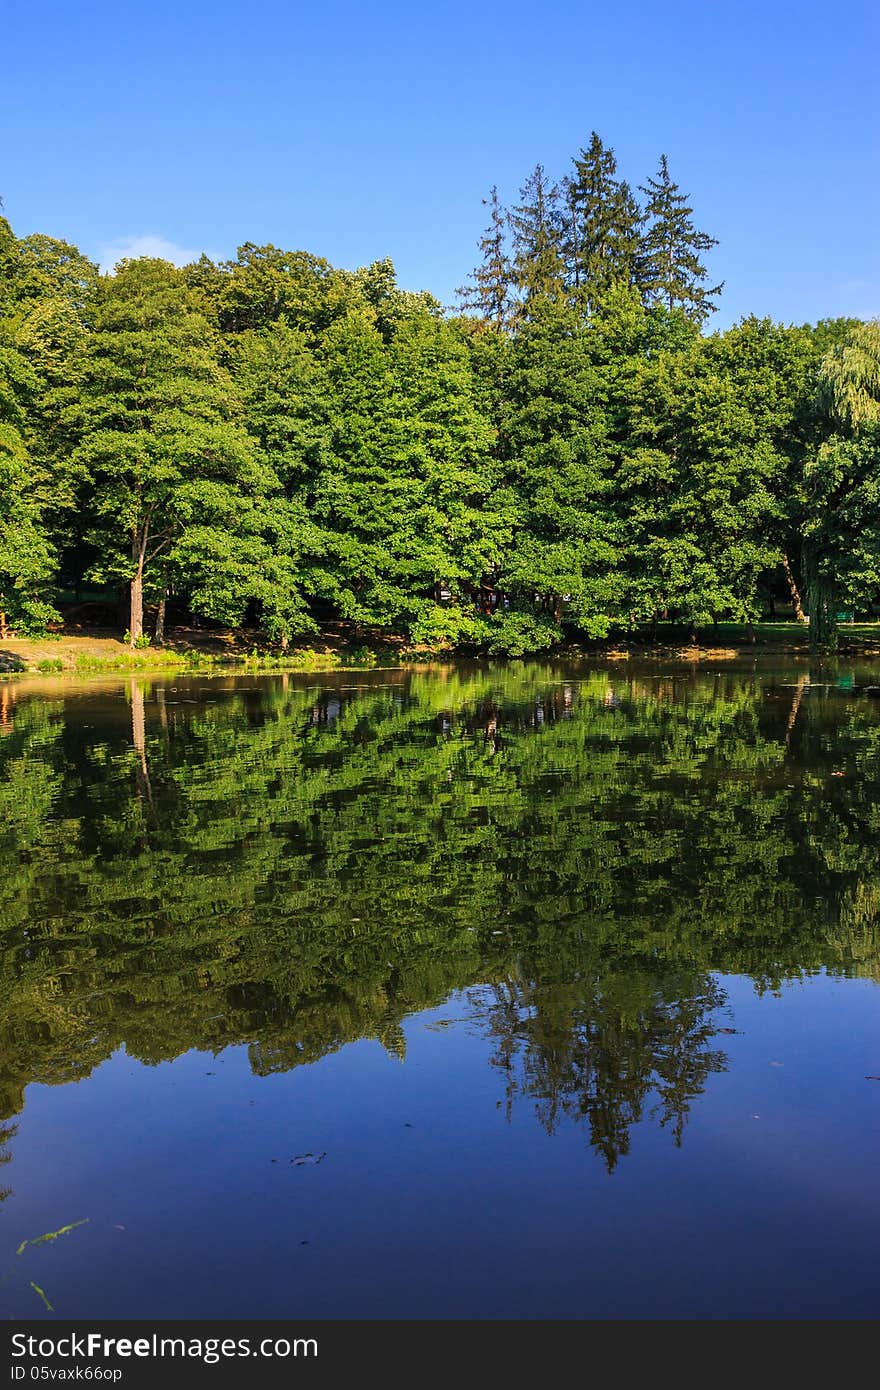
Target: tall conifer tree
490	294
536	223
589	198
670	270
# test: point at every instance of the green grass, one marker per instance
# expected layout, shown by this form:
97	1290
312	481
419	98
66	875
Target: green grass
86	664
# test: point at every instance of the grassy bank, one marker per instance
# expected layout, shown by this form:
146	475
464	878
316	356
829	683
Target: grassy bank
84	653
92	653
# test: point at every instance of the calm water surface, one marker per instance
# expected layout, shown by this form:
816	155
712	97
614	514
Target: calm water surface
517	991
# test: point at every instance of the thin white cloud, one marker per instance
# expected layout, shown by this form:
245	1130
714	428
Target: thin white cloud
110	253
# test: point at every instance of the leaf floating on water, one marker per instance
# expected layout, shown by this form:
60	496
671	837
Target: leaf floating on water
52	1235
41	1292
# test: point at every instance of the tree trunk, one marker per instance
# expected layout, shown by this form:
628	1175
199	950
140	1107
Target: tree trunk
795	596
4	630
160	622
136	618
822	601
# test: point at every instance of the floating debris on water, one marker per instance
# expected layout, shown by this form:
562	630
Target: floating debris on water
52	1235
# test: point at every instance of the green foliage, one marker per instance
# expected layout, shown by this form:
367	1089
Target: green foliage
273	442
300	864
536	226
669	269
490	295
849	378
27	561
602	225
842	484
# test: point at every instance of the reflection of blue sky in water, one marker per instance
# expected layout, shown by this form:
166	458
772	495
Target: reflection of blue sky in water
432	1201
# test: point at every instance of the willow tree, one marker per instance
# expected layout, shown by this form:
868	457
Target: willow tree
849	378
842	534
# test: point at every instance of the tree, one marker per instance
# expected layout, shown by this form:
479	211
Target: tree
45	268
156	435
842	479
772	369
27	560
536	226
563	559
402	493
588	195
603	222
265	283
849	378
27	557
376	287
490	295
284	391
696	490
669	268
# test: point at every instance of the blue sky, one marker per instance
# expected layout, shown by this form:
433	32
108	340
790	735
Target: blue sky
363	130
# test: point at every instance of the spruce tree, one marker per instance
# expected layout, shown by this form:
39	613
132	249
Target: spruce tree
603	225
589	199
490	293
625	241
670	271
536	224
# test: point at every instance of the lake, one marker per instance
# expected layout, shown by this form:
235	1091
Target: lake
529	990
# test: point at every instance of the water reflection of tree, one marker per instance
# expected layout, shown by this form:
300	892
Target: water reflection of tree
605	1052
292	869
7	1132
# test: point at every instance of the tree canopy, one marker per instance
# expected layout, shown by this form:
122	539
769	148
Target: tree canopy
278	442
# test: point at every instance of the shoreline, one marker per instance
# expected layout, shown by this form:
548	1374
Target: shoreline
199	652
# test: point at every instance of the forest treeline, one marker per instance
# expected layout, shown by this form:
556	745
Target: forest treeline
569	453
